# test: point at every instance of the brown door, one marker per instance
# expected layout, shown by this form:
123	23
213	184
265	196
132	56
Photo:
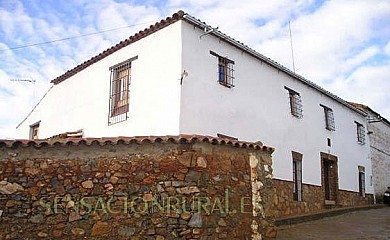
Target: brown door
327	179
329	172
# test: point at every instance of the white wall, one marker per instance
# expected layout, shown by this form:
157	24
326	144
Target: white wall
82	101
380	151
257	108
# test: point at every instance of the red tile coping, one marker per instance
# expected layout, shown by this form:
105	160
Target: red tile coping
132	140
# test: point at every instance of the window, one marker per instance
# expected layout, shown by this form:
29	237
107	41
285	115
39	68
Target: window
360	132
329	142
34	130
119	91
297	176
295	103
329	118
225	70
362	181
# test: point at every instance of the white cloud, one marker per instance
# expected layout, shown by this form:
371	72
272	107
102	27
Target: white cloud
387	48
337	44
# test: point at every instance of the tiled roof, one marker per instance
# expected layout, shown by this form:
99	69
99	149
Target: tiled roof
132	140
180	15
368	109
141	34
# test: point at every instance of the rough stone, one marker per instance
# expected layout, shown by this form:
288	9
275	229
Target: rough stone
185	215
188	190
151	231
31	171
114	179
222	222
9	188
39	218
87	184
74	216
186	159
57	233
271	232
42	235
126	231
193	176
100	228
115	167
201	162
176	184
160	188
78	231
108	186
196	221
148	197
12	203
140	175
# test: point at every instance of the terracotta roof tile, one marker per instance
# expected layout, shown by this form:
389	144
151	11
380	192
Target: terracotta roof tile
132	140
141	34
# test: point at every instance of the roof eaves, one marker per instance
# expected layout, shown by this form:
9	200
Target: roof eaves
141	34
368	109
269	61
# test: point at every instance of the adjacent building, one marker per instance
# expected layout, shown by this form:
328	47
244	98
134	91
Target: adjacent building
378	129
181	76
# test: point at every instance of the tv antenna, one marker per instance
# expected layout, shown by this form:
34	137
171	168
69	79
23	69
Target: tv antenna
26	80
292	49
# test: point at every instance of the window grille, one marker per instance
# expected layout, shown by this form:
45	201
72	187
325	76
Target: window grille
360	132
295	103
362	181
329	118
225	70
297	176
120	92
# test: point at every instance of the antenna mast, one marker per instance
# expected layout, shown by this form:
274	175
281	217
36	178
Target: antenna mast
292	49
26	80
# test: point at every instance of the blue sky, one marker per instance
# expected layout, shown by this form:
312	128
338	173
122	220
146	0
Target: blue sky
342	45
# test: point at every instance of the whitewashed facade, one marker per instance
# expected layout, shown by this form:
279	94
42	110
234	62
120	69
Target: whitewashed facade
175	89
378	131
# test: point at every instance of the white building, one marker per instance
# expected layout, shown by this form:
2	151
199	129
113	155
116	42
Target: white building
378	131
180	76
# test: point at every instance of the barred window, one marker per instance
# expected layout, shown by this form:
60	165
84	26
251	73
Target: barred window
119	91
329	118
297	176
362	181
361	133
295	103
225	70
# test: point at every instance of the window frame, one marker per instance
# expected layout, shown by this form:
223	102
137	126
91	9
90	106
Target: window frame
120	81
295	102
34	130
360	133
362	181
329	118
225	73
297	176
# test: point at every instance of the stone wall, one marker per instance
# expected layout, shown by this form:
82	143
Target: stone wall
173	189
313	199
380	155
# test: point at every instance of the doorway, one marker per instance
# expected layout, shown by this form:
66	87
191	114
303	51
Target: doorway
329	177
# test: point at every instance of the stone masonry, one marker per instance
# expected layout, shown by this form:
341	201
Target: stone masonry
159	188
313	199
